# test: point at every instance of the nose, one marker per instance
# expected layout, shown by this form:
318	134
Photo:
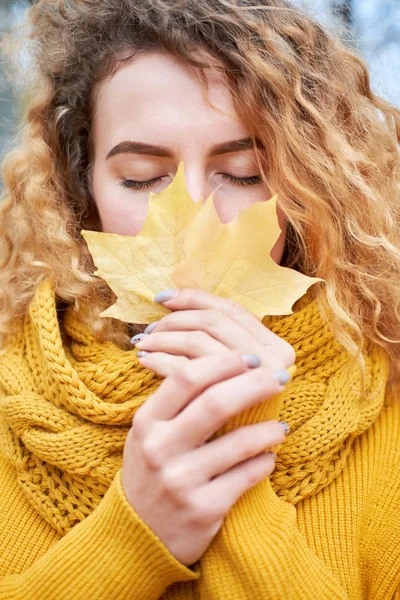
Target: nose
196	183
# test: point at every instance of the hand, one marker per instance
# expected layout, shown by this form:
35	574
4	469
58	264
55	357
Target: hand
181	485
202	324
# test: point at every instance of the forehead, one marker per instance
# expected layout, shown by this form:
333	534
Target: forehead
156	91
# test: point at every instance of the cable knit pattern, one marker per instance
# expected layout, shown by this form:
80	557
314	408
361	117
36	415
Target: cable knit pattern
323	406
317	528
67	410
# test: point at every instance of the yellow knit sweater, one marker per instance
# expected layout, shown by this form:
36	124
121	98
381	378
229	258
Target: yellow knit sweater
325	525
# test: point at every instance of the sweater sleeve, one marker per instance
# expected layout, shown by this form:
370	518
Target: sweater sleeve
263	549
111	554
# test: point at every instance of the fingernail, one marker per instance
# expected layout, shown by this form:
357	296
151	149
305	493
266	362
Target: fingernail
273	455
138	338
141	353
282	376
165	295
150	327
251	360
285	426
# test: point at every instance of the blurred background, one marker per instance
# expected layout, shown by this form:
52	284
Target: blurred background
371	26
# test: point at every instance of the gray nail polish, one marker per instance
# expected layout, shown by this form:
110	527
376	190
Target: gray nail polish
141	353
285	426
164	295
251	360
281	376
138	337
150	327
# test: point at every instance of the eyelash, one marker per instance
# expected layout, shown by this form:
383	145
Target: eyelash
239	181
139	185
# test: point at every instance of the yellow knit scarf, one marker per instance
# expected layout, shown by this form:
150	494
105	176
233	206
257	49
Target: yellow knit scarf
65	411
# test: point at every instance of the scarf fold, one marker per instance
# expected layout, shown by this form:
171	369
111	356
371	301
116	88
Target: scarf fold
65	410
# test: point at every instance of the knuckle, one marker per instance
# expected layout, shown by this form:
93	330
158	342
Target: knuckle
202	512
214	404
179	362
174	478
211	514
153	452
185	376
211	317
139	424
196	341
196	512
230	307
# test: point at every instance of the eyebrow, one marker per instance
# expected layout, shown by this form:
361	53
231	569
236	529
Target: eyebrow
142	148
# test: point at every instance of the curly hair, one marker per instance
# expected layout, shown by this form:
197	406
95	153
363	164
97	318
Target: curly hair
329	149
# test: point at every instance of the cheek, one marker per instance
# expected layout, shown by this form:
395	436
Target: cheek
229	200
279	248
123	212
120	212
122	221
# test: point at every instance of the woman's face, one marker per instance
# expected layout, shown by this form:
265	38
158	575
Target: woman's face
150	116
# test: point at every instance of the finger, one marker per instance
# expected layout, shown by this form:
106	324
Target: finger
162	363
220	402
185	384
226	489
188	299
191	344
222	454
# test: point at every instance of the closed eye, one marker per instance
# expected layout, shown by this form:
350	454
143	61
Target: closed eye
140	185
254	180
239	181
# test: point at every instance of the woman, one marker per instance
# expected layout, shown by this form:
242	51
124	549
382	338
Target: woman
111	486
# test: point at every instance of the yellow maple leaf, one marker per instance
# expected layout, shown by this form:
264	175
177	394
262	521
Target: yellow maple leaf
184	244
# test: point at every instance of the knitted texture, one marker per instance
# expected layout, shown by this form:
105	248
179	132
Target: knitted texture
66	409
